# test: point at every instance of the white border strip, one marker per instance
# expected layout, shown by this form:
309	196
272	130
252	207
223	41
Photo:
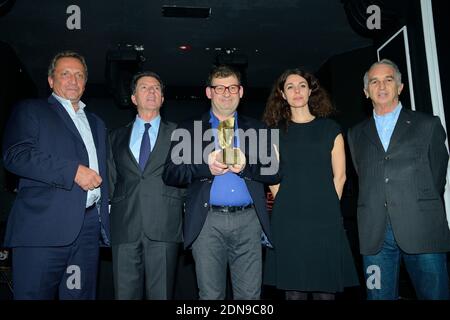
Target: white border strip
435	80
408	62
389	40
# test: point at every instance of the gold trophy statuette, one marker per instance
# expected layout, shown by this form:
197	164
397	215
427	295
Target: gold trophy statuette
225	133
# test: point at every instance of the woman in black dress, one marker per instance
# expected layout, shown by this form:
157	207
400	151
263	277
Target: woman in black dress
311	253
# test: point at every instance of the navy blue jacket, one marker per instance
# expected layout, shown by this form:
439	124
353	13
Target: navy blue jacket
43	147
198	178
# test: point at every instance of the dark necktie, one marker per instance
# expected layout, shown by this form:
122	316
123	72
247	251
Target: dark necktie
145	148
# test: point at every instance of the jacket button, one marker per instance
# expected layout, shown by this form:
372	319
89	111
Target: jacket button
386	158
385	204
386	180
206	204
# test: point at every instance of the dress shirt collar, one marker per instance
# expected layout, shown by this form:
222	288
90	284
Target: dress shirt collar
67	104
139	123
390	115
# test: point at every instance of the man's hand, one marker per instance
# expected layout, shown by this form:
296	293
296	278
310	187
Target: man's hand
236	168
87	178
215	164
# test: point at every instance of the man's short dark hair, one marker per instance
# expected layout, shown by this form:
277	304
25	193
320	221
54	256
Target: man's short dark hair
142	74
67	54
223	71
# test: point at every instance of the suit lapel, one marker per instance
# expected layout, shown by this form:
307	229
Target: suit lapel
62	113
370	130
95	136
126	139
402	126
206	125
157	156
94	129
243	125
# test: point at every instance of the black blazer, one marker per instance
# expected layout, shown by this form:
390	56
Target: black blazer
198	177
405	183
140	201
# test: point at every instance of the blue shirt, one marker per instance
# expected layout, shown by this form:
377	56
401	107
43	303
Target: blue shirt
138	131
385	125
228	189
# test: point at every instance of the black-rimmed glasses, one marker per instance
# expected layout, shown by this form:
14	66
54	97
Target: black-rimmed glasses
220	89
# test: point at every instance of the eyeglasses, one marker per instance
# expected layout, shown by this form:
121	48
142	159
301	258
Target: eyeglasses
233	89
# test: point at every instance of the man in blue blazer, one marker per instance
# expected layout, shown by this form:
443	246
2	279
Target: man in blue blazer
225	212
61	211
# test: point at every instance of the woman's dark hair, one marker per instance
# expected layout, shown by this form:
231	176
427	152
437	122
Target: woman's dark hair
278	112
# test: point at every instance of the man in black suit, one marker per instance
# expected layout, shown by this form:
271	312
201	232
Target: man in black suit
145	213
226	205
401	161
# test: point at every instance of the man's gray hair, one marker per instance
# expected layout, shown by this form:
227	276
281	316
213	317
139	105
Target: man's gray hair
67	54
397	73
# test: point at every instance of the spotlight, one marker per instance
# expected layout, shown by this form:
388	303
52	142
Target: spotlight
185	12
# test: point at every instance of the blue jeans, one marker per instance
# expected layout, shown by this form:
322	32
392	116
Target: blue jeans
428	272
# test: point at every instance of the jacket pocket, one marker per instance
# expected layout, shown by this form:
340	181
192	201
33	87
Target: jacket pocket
172	192
116	199
172	196
425	187
430	204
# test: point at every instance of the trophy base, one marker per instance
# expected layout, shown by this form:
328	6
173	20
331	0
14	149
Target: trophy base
231	156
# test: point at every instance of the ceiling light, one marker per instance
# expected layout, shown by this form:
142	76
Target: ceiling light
185	12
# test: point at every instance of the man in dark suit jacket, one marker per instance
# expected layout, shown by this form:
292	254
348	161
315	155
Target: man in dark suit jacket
145	213
61	210
401	161
226	205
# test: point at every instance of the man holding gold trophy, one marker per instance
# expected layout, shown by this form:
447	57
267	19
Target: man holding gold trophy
225	212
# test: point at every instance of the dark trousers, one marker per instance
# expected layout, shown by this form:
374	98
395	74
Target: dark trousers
66	272
144	268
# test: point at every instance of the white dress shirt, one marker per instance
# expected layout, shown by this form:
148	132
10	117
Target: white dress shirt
82	124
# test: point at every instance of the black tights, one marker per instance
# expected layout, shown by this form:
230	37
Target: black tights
302	295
